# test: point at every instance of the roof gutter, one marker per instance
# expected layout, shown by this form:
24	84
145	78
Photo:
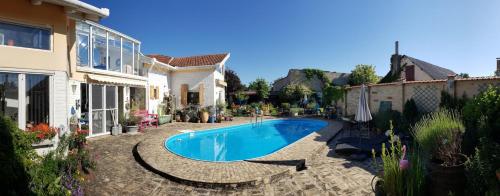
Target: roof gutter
78	6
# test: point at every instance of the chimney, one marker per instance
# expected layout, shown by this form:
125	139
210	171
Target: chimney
397	47
498	67
395	61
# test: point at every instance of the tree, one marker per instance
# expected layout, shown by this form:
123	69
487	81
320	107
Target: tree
294	93
464	75
363	74
233	82
333	94
262	88
241	97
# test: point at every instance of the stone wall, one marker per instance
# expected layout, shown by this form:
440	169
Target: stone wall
427	94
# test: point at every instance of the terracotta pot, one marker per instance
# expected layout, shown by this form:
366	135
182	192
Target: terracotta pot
204	117
446	179
10	42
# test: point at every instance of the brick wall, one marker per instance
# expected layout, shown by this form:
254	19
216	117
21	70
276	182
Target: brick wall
427	94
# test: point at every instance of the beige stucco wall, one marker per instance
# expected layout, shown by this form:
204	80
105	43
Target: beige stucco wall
426	94
390	93
193	79
45	15
473	87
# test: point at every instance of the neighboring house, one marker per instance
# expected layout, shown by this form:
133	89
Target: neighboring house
497	72
35	39
407	68
298	76
196	80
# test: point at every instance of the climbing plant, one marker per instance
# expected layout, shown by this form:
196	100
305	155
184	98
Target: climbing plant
320	74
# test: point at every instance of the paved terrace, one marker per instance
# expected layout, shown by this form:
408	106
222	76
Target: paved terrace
119	173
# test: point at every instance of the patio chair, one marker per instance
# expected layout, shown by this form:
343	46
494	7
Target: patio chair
147	119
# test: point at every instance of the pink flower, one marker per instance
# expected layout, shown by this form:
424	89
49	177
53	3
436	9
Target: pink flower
403	163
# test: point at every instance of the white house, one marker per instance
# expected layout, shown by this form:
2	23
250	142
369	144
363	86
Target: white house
197	80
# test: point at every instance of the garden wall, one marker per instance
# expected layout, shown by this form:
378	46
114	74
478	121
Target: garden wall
427	94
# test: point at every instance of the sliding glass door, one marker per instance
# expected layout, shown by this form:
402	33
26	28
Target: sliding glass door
104	108
9	95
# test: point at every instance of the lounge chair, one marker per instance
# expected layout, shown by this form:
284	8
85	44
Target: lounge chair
377	139
353	148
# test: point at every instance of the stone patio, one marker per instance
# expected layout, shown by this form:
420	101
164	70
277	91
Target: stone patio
118	173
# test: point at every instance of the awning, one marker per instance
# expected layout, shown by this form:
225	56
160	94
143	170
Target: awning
220	82
115	80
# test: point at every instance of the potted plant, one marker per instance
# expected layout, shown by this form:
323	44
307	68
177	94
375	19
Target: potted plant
43	134
132	124
117	127
204	114
440	136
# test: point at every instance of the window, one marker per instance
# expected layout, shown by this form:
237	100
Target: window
128	56
193	98
99	48
82	39
114	51
137	98
97	109
37	99
9	97
154	92
24	36
107	50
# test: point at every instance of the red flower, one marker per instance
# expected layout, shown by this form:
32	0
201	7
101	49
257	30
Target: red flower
43	131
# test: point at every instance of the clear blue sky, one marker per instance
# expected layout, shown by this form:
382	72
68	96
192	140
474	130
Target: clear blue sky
268	37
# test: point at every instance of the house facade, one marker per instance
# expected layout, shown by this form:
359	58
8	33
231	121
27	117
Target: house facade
407	68
196	80
35	41
58	63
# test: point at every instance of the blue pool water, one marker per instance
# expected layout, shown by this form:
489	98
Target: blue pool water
241	142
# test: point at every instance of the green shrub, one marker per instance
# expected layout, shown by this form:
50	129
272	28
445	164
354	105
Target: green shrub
23	172
382	119
481	168
452	103
285	106
433	129
481	116
299	111
410	112
17	157
485	106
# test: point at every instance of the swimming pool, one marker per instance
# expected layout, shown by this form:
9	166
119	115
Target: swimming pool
241	142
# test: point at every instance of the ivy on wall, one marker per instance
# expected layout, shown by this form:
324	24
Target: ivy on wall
320	74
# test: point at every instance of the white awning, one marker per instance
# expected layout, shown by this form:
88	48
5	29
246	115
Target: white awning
115	80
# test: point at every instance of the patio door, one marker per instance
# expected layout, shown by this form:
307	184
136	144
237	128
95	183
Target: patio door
104	110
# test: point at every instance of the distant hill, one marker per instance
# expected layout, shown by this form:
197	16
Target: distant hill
298	76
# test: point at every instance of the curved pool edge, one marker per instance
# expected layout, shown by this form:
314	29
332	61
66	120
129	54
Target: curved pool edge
238	125
232	174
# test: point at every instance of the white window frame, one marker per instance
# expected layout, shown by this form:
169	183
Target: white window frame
46	27
104	110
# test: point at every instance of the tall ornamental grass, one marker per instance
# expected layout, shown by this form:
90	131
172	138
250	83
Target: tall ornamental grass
436	129
401	174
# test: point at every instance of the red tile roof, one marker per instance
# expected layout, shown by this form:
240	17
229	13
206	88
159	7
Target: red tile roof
189	61
162	58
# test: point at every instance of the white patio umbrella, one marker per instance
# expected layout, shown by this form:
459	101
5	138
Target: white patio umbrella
363	113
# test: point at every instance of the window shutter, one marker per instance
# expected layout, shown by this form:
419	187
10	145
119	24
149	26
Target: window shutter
184	94
201	94
151	92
